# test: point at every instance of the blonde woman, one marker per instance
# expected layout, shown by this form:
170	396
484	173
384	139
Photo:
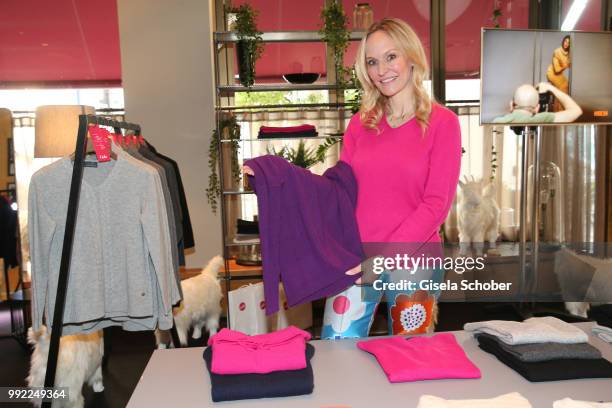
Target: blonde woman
405	152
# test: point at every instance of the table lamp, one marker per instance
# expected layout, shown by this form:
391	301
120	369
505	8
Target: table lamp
56	129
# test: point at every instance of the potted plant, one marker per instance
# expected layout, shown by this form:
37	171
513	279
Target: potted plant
305	157
335	34
249	46
228	129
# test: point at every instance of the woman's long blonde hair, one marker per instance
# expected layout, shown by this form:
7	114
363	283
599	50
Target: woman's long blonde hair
373	103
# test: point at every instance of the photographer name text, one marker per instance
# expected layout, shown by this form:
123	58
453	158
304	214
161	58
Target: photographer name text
431	285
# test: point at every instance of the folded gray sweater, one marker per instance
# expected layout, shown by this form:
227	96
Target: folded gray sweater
533	330
548	351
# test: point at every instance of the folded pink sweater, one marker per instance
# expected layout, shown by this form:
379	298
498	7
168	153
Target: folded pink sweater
287	129
237	353
421	358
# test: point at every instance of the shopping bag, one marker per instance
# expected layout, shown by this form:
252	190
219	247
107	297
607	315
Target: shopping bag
299	316
247	309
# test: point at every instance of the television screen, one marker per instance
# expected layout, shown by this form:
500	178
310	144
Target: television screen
543	77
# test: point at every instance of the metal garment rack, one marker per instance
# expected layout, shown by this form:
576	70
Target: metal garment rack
73	203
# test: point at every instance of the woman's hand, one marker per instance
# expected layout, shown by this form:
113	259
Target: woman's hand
248	170
354	271
367	269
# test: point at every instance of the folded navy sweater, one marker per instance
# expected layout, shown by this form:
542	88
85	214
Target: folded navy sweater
233	387
308	231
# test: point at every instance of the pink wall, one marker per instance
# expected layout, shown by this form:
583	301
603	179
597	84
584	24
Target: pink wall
464	20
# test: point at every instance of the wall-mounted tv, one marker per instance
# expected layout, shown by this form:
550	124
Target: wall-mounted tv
544	77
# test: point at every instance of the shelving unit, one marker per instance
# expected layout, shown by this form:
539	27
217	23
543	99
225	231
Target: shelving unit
225	89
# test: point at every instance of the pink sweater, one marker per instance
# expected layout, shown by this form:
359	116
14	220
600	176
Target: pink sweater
421	358
237	353
406	181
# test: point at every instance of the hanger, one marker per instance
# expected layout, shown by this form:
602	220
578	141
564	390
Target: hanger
142	143
132	141
119	142
117	138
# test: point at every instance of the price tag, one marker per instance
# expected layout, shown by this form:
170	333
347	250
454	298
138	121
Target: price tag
101	143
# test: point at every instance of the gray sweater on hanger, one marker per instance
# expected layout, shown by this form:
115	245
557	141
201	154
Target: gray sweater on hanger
121	270
132	154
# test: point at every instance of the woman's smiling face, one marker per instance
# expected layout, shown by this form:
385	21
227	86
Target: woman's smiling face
388	68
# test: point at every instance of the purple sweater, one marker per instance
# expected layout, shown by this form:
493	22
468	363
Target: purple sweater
309	235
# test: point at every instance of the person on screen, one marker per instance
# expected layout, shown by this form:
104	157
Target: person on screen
525	105
554	73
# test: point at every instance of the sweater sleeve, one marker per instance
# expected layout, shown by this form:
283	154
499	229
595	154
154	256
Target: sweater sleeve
41	228
270	173
154	220
441	185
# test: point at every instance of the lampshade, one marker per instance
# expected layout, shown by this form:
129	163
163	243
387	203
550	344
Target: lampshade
56	129
6	124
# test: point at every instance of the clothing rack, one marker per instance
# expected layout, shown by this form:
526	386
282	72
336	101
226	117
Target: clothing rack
73	202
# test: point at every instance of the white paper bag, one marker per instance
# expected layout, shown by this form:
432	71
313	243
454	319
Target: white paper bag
299	316
247	309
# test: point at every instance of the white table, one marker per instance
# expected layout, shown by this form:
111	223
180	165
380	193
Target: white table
347	376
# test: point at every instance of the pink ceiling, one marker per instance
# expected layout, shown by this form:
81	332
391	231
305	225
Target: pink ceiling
67	41
76	42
